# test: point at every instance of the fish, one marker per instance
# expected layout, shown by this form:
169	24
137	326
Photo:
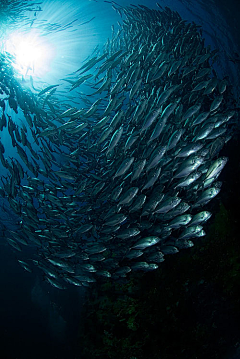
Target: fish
146	242
179	221
200	218
114	179
216	167
206	196
190	232
47	89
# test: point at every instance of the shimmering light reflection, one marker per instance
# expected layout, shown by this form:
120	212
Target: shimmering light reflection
33	53
58	37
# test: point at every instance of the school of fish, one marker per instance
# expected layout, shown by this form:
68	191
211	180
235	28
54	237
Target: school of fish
138	162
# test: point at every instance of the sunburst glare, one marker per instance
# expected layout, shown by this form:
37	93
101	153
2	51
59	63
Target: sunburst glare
33	53
49	50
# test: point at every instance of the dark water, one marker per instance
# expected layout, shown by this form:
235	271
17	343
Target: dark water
38	321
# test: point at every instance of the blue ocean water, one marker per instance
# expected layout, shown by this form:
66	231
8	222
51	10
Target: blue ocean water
37	320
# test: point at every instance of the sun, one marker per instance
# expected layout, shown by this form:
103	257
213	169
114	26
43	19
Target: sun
33	53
